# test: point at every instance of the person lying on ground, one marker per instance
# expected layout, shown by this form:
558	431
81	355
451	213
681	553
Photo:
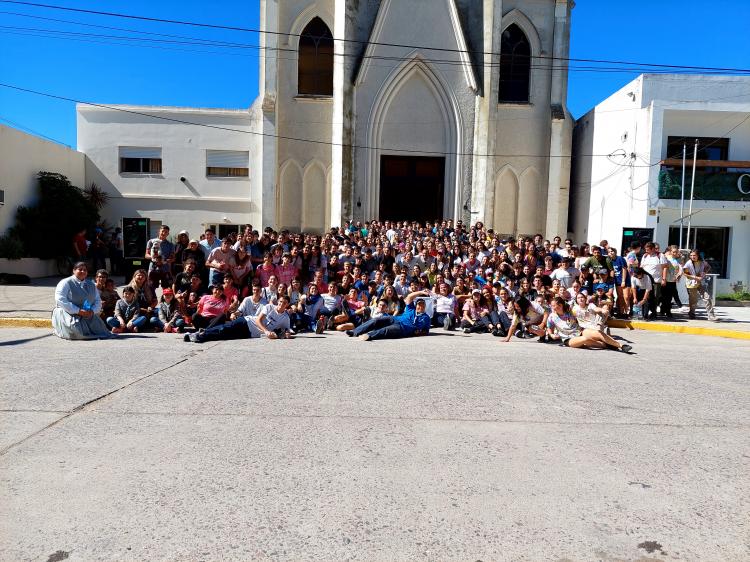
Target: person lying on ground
414	321
272	322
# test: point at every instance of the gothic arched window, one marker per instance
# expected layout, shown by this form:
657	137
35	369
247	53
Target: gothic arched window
315	61
515	66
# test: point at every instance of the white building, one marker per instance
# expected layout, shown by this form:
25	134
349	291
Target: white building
627	168
412	114
22	157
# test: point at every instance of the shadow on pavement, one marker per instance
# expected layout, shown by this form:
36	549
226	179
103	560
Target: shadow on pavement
25	340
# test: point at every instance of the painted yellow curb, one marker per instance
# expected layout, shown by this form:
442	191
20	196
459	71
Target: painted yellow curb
25	323
677	329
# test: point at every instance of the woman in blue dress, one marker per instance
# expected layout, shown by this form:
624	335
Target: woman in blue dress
77	308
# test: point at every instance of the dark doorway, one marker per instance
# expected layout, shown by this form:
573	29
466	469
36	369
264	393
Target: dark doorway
630	235
411	188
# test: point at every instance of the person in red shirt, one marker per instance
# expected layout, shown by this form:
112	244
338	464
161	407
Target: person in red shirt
80	246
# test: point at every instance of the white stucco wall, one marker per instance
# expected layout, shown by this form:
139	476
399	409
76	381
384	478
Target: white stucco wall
189	205
22	156
618	191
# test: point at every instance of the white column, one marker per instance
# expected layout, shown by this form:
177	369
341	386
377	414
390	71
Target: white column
561	130
483	176
269	16
337	136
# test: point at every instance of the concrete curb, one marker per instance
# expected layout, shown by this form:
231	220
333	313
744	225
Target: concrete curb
628	324
26	323
677	329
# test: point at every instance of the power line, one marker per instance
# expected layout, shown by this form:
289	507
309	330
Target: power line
196	41
361	42
32	131
282	137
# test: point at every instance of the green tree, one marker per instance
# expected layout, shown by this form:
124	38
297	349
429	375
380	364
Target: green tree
47	228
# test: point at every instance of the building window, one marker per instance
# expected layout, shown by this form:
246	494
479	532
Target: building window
515	66
315	60
140	160
223	230
709	148
712	244
227	163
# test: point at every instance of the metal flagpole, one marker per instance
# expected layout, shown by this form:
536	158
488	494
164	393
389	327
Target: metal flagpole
682	195
692	189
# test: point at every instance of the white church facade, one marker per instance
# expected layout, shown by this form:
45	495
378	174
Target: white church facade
389	109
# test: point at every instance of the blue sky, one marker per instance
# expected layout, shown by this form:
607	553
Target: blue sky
680	32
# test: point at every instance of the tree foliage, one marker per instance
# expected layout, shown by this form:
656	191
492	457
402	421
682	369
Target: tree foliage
47	228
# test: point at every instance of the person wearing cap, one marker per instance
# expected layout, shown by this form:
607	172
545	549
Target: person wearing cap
413	321
168	318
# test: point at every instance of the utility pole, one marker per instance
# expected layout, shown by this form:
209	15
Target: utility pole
692	190
682	195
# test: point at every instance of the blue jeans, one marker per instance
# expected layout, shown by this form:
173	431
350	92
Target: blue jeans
139	322
157	324
439	318
382	328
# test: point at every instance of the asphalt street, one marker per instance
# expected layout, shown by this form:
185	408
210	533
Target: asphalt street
449	447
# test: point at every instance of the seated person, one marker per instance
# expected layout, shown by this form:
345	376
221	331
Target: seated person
168	318
355	312
128	316
211	308
107	293
414	321
272	322
445	307
77	307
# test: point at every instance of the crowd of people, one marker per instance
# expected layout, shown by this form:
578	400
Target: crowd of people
381	280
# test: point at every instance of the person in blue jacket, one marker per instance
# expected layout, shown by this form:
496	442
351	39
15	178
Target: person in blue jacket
413	321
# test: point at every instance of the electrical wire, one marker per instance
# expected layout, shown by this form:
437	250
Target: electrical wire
163	44
271	135
365	42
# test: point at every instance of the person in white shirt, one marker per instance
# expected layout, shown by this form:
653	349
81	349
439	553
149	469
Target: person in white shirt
445	307
565	273
272	322
643	287
655	264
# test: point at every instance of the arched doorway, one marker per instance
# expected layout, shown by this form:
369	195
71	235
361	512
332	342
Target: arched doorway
414	131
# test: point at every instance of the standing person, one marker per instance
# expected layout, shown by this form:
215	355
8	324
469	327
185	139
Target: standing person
115	251
414	321
655	265
98	250
77	308
208	243
622	281
183	242
220	262
695	271
672	273
80	246
160	247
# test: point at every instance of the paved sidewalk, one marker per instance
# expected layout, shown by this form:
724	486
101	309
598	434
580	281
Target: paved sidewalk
35	300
